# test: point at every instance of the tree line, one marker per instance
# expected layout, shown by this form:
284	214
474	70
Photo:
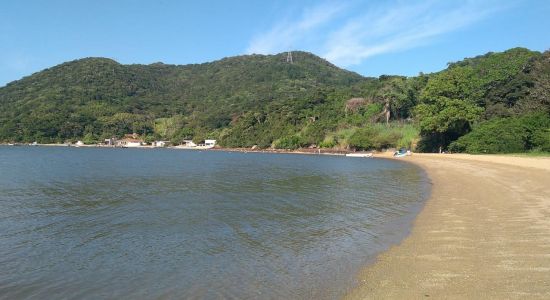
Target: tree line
474	105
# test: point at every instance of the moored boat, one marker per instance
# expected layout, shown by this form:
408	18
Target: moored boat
402	153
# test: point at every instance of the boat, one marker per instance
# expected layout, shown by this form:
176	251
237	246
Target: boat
359	155
402	153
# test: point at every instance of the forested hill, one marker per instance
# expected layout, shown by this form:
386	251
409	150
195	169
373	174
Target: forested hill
103	97
266	101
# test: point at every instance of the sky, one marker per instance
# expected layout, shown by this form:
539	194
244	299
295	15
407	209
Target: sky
369	37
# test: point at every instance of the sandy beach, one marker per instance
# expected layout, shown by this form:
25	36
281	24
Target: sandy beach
484	233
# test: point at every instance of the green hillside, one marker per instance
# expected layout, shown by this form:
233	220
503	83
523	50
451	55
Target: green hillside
263	100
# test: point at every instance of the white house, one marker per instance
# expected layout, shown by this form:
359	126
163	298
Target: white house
160	143
209	143
130	140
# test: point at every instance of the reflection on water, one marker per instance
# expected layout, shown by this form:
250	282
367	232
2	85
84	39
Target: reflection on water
124	223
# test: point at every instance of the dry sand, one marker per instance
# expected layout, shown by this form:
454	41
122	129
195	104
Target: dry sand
483	234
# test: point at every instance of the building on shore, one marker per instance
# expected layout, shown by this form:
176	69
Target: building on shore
130	140
189	144
161	144
209	143
110	142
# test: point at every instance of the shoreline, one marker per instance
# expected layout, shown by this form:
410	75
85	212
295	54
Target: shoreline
312	151
484	232
517	159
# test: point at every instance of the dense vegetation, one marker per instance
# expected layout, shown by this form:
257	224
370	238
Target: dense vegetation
481	104
507	135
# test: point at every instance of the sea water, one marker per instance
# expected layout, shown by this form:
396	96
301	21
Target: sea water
88	223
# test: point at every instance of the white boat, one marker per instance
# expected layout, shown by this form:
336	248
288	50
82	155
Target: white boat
359	155
402	153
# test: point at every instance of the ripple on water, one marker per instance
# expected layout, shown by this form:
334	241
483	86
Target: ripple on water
89	223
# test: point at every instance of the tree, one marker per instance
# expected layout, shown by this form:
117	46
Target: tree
443	120
89	138
507	135
167	128
393	95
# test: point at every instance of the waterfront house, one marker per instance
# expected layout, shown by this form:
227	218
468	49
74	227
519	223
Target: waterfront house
130	140
209	143
161	143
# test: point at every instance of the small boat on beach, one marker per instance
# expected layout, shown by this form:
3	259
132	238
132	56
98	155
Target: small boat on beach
359	155
402	153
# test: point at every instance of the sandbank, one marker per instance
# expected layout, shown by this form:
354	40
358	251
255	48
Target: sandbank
484	233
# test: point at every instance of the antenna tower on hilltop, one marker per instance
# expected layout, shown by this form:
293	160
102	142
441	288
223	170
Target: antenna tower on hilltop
289	57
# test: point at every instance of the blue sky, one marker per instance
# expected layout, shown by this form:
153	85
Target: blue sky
369	37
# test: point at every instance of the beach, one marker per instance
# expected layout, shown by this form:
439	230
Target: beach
484	233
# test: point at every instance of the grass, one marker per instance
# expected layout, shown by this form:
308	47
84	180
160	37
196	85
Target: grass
399	135
408	133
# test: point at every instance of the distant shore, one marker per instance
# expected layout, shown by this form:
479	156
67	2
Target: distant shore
315	151
483	234
110	146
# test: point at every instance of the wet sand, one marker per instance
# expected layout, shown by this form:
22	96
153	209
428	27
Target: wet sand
483	234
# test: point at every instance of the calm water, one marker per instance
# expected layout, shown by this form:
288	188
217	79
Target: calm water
131	223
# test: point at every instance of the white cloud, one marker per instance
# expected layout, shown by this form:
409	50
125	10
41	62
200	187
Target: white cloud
348	34
400	27
288	33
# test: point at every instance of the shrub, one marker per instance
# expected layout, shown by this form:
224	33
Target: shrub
89	139
288	142
373	110
507	135
362	139
541	140
328	142
382	136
